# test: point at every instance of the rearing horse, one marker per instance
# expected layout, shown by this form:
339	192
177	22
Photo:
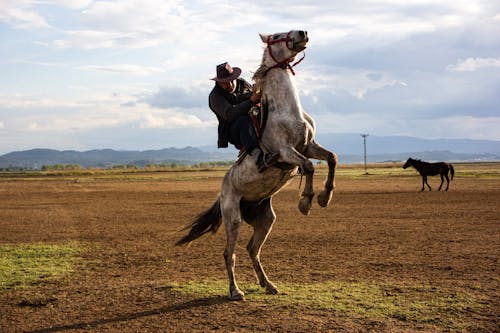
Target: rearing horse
246	194
431	169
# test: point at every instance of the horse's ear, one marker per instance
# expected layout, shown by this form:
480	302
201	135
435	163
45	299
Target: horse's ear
263	37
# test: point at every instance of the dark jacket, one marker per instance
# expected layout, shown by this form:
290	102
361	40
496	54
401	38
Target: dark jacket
229	106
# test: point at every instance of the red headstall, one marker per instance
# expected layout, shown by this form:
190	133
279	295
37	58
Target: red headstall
284	64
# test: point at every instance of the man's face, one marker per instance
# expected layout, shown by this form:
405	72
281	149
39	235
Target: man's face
229	86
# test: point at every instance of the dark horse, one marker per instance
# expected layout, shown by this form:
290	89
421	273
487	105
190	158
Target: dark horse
431	169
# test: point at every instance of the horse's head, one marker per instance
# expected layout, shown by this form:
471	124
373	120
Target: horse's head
283	47
408	163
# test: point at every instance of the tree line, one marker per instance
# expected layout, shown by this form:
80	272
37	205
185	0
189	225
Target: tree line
76	167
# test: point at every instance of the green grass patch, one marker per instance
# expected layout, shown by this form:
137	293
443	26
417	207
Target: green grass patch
417	304
384	170
24	265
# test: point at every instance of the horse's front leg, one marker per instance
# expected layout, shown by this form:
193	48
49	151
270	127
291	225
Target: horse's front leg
442	181
292	156
425	181
230	207
316	151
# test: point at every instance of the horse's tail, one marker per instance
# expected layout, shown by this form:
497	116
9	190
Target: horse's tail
452	171
209	220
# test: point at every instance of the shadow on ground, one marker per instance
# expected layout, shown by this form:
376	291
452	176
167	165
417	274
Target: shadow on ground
196	303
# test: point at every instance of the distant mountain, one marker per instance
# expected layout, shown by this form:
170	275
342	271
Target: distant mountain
429	156
36	158
353	144
349	148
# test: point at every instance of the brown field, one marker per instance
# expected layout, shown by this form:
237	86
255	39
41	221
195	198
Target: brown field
383	258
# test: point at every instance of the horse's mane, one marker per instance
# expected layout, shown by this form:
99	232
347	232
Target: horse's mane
260	73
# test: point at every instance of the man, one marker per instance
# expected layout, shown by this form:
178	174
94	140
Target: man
231	99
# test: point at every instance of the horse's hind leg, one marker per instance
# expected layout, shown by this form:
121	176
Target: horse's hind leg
447	181
262	225
316	151
442	181
231	214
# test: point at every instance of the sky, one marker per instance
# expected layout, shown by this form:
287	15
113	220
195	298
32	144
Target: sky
135	74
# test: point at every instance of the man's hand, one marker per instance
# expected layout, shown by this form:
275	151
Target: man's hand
256	94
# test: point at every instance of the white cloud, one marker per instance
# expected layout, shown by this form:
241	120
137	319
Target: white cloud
2	125
45	114
21	15
26	102
473	127
87	39
170	119
72	4
125	68
474	64
135	24
463	127
387	125
356	83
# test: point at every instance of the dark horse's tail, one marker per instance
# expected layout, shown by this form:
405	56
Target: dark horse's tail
209	220
452	171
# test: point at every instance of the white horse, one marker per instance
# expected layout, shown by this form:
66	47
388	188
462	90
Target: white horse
247	194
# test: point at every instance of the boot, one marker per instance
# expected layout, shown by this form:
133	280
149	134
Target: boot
264	160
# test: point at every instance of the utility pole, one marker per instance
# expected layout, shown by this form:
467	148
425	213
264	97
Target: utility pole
364	150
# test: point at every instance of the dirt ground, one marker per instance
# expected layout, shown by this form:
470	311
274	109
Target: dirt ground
378	229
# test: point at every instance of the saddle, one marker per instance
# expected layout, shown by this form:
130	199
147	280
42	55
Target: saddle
258	114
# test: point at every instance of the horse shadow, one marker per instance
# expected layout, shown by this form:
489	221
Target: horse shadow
195	303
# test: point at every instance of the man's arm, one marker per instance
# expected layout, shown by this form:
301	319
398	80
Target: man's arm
227	111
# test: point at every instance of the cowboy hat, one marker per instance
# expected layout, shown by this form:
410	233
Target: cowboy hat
226	73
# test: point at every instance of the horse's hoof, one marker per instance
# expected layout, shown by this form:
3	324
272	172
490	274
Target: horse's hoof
271	289
238	297
305	206
324	198
305	203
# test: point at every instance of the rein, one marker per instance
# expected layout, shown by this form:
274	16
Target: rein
284	64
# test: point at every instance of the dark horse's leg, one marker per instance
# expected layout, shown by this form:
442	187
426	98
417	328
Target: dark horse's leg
442	181
430	189
261	217
424	182
447	180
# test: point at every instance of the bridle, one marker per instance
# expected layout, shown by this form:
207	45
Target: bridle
284	64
